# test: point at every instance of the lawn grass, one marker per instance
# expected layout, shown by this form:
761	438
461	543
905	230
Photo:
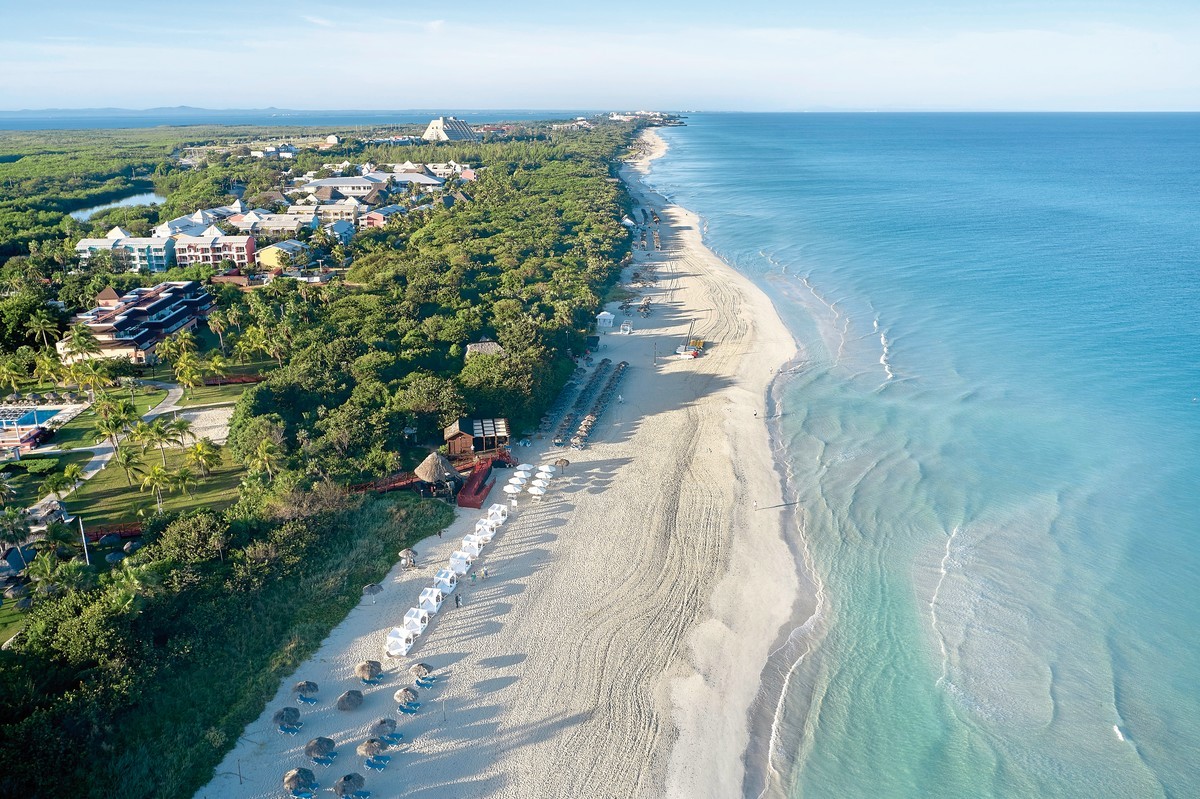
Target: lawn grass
26	484
78	432
108	499
11	619
212	395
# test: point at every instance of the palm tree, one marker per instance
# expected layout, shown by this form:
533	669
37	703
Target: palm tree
153	434
91	374
182	479
41	571
81	342
266	458
217	366
158	479
56	485
218	323
188	371
47	368
167	350
130	460
185	342
204	455
74	472
14	530
132	584
74	575
58	537
7	489
233	315
109	428
180	430
11	373
41	327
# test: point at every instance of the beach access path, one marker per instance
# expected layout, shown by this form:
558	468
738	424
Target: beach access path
615	647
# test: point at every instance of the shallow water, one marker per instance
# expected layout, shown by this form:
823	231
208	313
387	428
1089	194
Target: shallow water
993	436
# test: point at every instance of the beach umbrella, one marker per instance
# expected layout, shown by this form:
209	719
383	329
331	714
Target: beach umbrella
288	717
348	784
319	747
132	546
562	463
115	557
24	603
524	467
110	540
16	591
13	398
544	476
518	481
411	554
71	395
305	687
371	589
511	489
383	727
420	670
299	779
436	468
371	747
350	700
546	467
368	669
405	695
523	473
537	491
53	396
541	483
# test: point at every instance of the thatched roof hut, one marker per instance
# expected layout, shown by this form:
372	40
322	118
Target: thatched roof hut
348	784
305	687
437	468
405	695
383	727
371	747
288	716
420	669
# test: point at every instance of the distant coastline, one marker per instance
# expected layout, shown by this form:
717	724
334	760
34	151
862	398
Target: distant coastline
104	118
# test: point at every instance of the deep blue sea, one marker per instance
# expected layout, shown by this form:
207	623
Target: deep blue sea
993	435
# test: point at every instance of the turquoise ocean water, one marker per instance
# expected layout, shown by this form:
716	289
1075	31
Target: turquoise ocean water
993	435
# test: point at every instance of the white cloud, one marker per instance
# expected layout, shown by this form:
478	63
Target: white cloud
321	21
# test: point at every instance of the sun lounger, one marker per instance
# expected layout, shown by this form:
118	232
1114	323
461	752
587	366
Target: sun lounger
288	730
299	793
362	795
306	700
424	682
410	708
375	681
375	765
392	738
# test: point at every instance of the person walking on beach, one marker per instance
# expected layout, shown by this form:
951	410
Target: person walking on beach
457	601
472	578
485	572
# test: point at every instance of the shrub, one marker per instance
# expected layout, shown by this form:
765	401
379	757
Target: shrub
37	465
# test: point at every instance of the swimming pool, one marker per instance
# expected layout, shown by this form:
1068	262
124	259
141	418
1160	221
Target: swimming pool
25	417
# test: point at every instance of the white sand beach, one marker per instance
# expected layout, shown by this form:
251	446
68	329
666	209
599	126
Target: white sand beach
616	645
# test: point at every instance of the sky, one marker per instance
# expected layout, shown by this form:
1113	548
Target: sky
747	55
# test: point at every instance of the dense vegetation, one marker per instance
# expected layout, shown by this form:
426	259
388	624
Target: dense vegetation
134	680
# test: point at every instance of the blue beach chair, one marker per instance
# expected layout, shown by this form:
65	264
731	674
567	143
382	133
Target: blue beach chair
375	765
299	793
362	795
424	682
393	738
306	700
410	708
375	681
286	730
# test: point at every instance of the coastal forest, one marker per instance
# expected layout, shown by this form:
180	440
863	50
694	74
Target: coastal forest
134	680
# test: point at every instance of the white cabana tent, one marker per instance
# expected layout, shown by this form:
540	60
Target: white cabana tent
399	642
472	545
431	599
445	581
416	620
460	562
604	319
498	512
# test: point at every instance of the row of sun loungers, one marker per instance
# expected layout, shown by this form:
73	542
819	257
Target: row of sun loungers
580	439
570	420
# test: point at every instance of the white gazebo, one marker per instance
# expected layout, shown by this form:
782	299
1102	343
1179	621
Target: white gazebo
460	562
604	320
416	620
498	512
472	545
431	599
445	581
399	642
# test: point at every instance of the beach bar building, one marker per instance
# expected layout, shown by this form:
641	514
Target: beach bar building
476	436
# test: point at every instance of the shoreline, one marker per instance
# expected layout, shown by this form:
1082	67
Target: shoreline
607	653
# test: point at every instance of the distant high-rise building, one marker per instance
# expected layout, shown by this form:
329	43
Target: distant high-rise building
449	129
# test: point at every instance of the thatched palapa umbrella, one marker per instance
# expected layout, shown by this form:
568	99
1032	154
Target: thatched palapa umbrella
350	700
562	463
437	468
420	669
319	747
383	727
371	589
405	695
370	747
288	717
348	784
109	540
305	687
368	669
115	557
299	779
